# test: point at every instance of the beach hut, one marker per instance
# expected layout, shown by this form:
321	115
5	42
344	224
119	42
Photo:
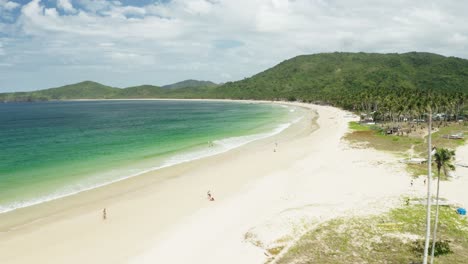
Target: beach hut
461	211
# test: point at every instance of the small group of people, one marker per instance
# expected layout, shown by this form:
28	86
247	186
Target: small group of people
210	196
104	211
412	182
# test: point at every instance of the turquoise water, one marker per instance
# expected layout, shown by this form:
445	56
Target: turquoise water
54	149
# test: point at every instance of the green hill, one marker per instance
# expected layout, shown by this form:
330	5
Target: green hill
390	83
328	76
94	90
142	91
82	90
190	83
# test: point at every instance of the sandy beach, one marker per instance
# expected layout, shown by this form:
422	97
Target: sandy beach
267	191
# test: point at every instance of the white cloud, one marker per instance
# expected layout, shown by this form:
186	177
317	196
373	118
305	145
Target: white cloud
66	6
198	7
96	5
180	39
106	44
459	39
6	9
40	21
8	5
132	59
125	12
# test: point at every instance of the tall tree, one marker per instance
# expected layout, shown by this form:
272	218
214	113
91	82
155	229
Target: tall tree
443	159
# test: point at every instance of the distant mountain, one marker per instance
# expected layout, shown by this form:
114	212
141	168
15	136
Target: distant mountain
94	90
81	90
190	83
142	91
355	81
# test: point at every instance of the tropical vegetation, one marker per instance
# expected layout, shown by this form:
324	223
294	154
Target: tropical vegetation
387	87
443	159
393	237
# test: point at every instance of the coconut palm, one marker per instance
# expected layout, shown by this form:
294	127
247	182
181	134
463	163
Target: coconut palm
443	159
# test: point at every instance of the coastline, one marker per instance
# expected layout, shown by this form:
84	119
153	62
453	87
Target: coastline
23	221
121	172
262	197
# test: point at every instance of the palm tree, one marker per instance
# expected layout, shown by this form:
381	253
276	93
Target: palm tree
443	158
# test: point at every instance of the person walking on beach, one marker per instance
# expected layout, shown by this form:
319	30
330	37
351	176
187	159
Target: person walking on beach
104	214
210	197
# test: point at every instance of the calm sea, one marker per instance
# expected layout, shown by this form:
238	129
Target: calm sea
53	149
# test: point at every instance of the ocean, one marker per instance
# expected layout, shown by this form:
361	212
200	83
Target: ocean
50	150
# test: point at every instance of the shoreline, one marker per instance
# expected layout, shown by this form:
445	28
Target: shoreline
263	198
169	161
139	209
149	219
27	214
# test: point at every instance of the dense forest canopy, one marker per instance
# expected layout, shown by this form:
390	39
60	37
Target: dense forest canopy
189	83
385	84
389	85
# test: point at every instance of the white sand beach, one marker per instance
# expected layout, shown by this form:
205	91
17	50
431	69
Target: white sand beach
261	196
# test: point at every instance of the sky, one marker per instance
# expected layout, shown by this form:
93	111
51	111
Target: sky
50	43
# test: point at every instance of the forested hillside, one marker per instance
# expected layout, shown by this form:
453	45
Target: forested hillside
345	78
386	83
189	83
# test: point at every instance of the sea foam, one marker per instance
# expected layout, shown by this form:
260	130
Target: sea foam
218	147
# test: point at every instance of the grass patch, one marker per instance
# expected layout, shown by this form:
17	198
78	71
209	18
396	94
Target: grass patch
417	170
394	237
275	251
379	141
356	126
374	137
439	138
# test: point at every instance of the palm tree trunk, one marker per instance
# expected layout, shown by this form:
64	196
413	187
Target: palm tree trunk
436	218
428	208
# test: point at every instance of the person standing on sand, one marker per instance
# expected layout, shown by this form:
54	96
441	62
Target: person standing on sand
104	214
210	197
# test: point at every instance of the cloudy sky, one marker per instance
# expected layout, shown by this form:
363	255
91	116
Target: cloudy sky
47	43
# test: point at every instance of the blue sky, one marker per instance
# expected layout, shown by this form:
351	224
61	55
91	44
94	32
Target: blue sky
49	43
